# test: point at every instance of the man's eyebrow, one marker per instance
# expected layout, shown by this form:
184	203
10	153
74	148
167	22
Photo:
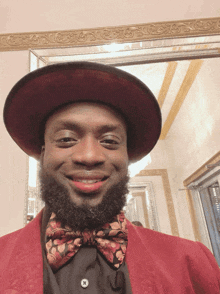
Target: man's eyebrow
60	125
78	127
110	127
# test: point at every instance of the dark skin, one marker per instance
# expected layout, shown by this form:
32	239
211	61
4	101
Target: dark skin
86	151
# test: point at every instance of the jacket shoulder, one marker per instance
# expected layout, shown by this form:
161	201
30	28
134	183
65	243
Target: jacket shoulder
8	241
155	237
179	265
176	254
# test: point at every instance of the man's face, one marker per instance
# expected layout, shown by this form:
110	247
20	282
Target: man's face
86	151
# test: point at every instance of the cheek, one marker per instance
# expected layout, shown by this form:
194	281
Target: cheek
120	161
52	157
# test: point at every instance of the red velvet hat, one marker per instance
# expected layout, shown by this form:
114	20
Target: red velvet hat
41	92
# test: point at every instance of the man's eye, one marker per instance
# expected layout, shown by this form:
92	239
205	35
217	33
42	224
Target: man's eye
110	143
66	142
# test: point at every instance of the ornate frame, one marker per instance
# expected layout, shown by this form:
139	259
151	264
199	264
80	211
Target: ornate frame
107	35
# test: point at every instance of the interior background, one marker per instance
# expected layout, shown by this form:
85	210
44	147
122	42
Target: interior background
179	157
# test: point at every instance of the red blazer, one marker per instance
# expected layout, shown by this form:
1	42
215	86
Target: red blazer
157	263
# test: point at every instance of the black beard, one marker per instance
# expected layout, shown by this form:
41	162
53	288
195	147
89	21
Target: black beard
57	200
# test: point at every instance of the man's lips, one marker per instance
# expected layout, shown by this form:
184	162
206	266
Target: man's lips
88	184
88	188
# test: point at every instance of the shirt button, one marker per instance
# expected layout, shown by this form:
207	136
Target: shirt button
84	283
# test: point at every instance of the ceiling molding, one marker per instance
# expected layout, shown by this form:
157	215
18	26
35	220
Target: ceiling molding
171	68
189	78
107	35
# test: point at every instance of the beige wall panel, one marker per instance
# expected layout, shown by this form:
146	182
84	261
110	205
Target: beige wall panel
13	65
63	15
197	124
161	204
162	157
193	138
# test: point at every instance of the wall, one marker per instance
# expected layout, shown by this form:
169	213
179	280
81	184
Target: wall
192	140
46	15
13	161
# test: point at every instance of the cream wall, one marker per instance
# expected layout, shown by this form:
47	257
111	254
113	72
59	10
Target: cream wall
56	15
192	140
41	15
199	120
13	161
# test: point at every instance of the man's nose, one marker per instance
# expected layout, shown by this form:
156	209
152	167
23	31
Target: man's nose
88	152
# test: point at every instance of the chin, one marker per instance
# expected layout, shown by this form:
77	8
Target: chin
88	201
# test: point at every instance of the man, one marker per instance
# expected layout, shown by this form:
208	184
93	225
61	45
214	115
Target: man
85	122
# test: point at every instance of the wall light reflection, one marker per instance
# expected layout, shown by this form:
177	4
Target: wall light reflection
136	167
114	47
32	180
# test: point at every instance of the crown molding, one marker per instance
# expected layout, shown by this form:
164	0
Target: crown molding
106	35
191	74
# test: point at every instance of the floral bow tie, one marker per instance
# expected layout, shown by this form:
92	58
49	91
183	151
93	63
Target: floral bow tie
63	243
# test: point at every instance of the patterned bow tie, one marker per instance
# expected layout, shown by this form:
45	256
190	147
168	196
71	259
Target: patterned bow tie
63	243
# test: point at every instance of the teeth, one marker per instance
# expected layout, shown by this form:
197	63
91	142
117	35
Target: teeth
88	181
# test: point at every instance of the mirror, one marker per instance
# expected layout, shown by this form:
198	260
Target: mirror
179	61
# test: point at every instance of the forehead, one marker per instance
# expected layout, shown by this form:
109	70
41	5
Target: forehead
83	111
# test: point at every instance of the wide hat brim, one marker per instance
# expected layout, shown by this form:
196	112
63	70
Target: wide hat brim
41	92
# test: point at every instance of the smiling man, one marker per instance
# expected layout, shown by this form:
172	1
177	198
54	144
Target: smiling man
85	122
85	160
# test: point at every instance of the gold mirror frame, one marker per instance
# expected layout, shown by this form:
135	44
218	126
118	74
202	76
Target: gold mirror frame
107	35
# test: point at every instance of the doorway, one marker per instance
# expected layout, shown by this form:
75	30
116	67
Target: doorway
210	198
205	193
